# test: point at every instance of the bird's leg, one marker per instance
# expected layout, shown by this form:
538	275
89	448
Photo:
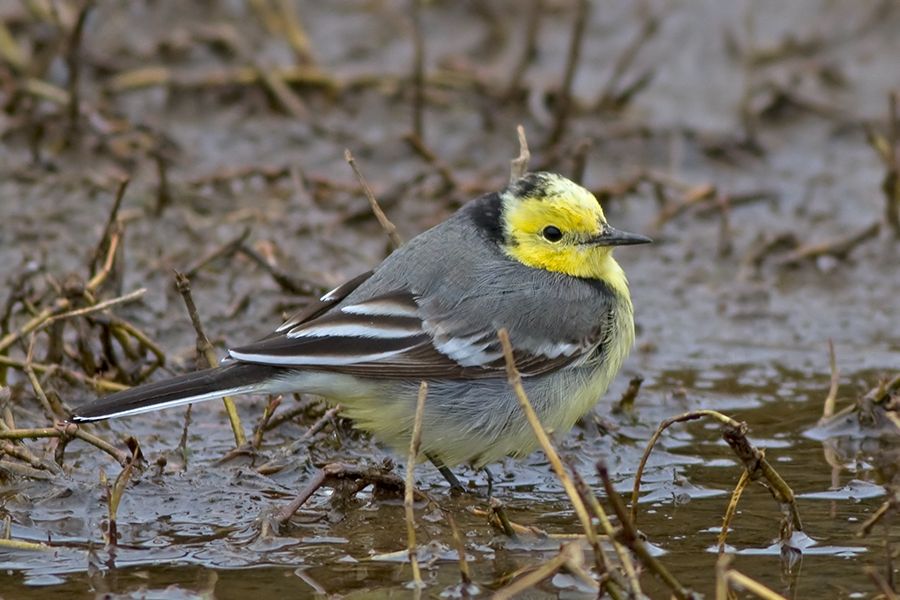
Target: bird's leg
455	485
490	482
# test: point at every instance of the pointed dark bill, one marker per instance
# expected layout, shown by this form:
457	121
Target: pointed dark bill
615	237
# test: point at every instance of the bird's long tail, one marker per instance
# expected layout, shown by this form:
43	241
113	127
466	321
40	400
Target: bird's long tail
228	380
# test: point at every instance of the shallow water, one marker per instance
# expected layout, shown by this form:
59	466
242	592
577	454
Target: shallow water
710	335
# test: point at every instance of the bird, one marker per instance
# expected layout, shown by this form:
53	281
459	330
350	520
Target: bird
534	258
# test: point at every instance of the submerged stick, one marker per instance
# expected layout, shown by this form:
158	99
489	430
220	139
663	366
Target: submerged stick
753	459
732	508
464	573
567	553
631	538
831	398
605	565
415	443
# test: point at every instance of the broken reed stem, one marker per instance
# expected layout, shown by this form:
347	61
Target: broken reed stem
428	155
736	579
838	247
31	325
884	585
626	402
110	227
498	512
415	443
691	416
567	553
295	33
99	277
8	544
631	537
294	505
517	528
268	411
205	349
224	251
564	106
36	384
286	281
891	503
600	553
87	310
515	381
115	498
63	430
752	458
418	75
182	448
389	228
464	574
732	508
831	398
519	165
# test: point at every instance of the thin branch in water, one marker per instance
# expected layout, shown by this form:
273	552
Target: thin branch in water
831	398
732	508
632	538
515	382
464	573
626	402
415	443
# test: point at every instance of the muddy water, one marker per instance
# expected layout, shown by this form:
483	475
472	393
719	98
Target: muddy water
710	334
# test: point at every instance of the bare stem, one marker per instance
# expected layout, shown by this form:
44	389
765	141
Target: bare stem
415	443
389	228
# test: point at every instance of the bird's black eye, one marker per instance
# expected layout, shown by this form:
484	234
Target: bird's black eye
552	233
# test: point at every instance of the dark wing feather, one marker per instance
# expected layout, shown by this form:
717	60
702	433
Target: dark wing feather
387	337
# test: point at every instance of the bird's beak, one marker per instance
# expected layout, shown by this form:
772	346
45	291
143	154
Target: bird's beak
610	236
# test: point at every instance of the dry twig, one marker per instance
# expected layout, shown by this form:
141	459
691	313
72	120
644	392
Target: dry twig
415	442
206	350
519	165
389	228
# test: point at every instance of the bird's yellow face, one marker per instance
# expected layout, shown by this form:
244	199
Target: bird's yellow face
554	224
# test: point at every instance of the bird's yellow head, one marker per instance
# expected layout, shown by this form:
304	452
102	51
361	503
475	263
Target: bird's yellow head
552	223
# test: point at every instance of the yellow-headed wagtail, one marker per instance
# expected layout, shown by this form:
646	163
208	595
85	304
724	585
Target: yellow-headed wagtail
534	258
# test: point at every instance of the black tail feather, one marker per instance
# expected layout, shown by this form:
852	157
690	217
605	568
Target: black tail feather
235	378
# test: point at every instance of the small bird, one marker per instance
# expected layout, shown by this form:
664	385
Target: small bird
534	258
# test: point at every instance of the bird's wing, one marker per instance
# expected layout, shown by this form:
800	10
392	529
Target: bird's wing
323	304
394	335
